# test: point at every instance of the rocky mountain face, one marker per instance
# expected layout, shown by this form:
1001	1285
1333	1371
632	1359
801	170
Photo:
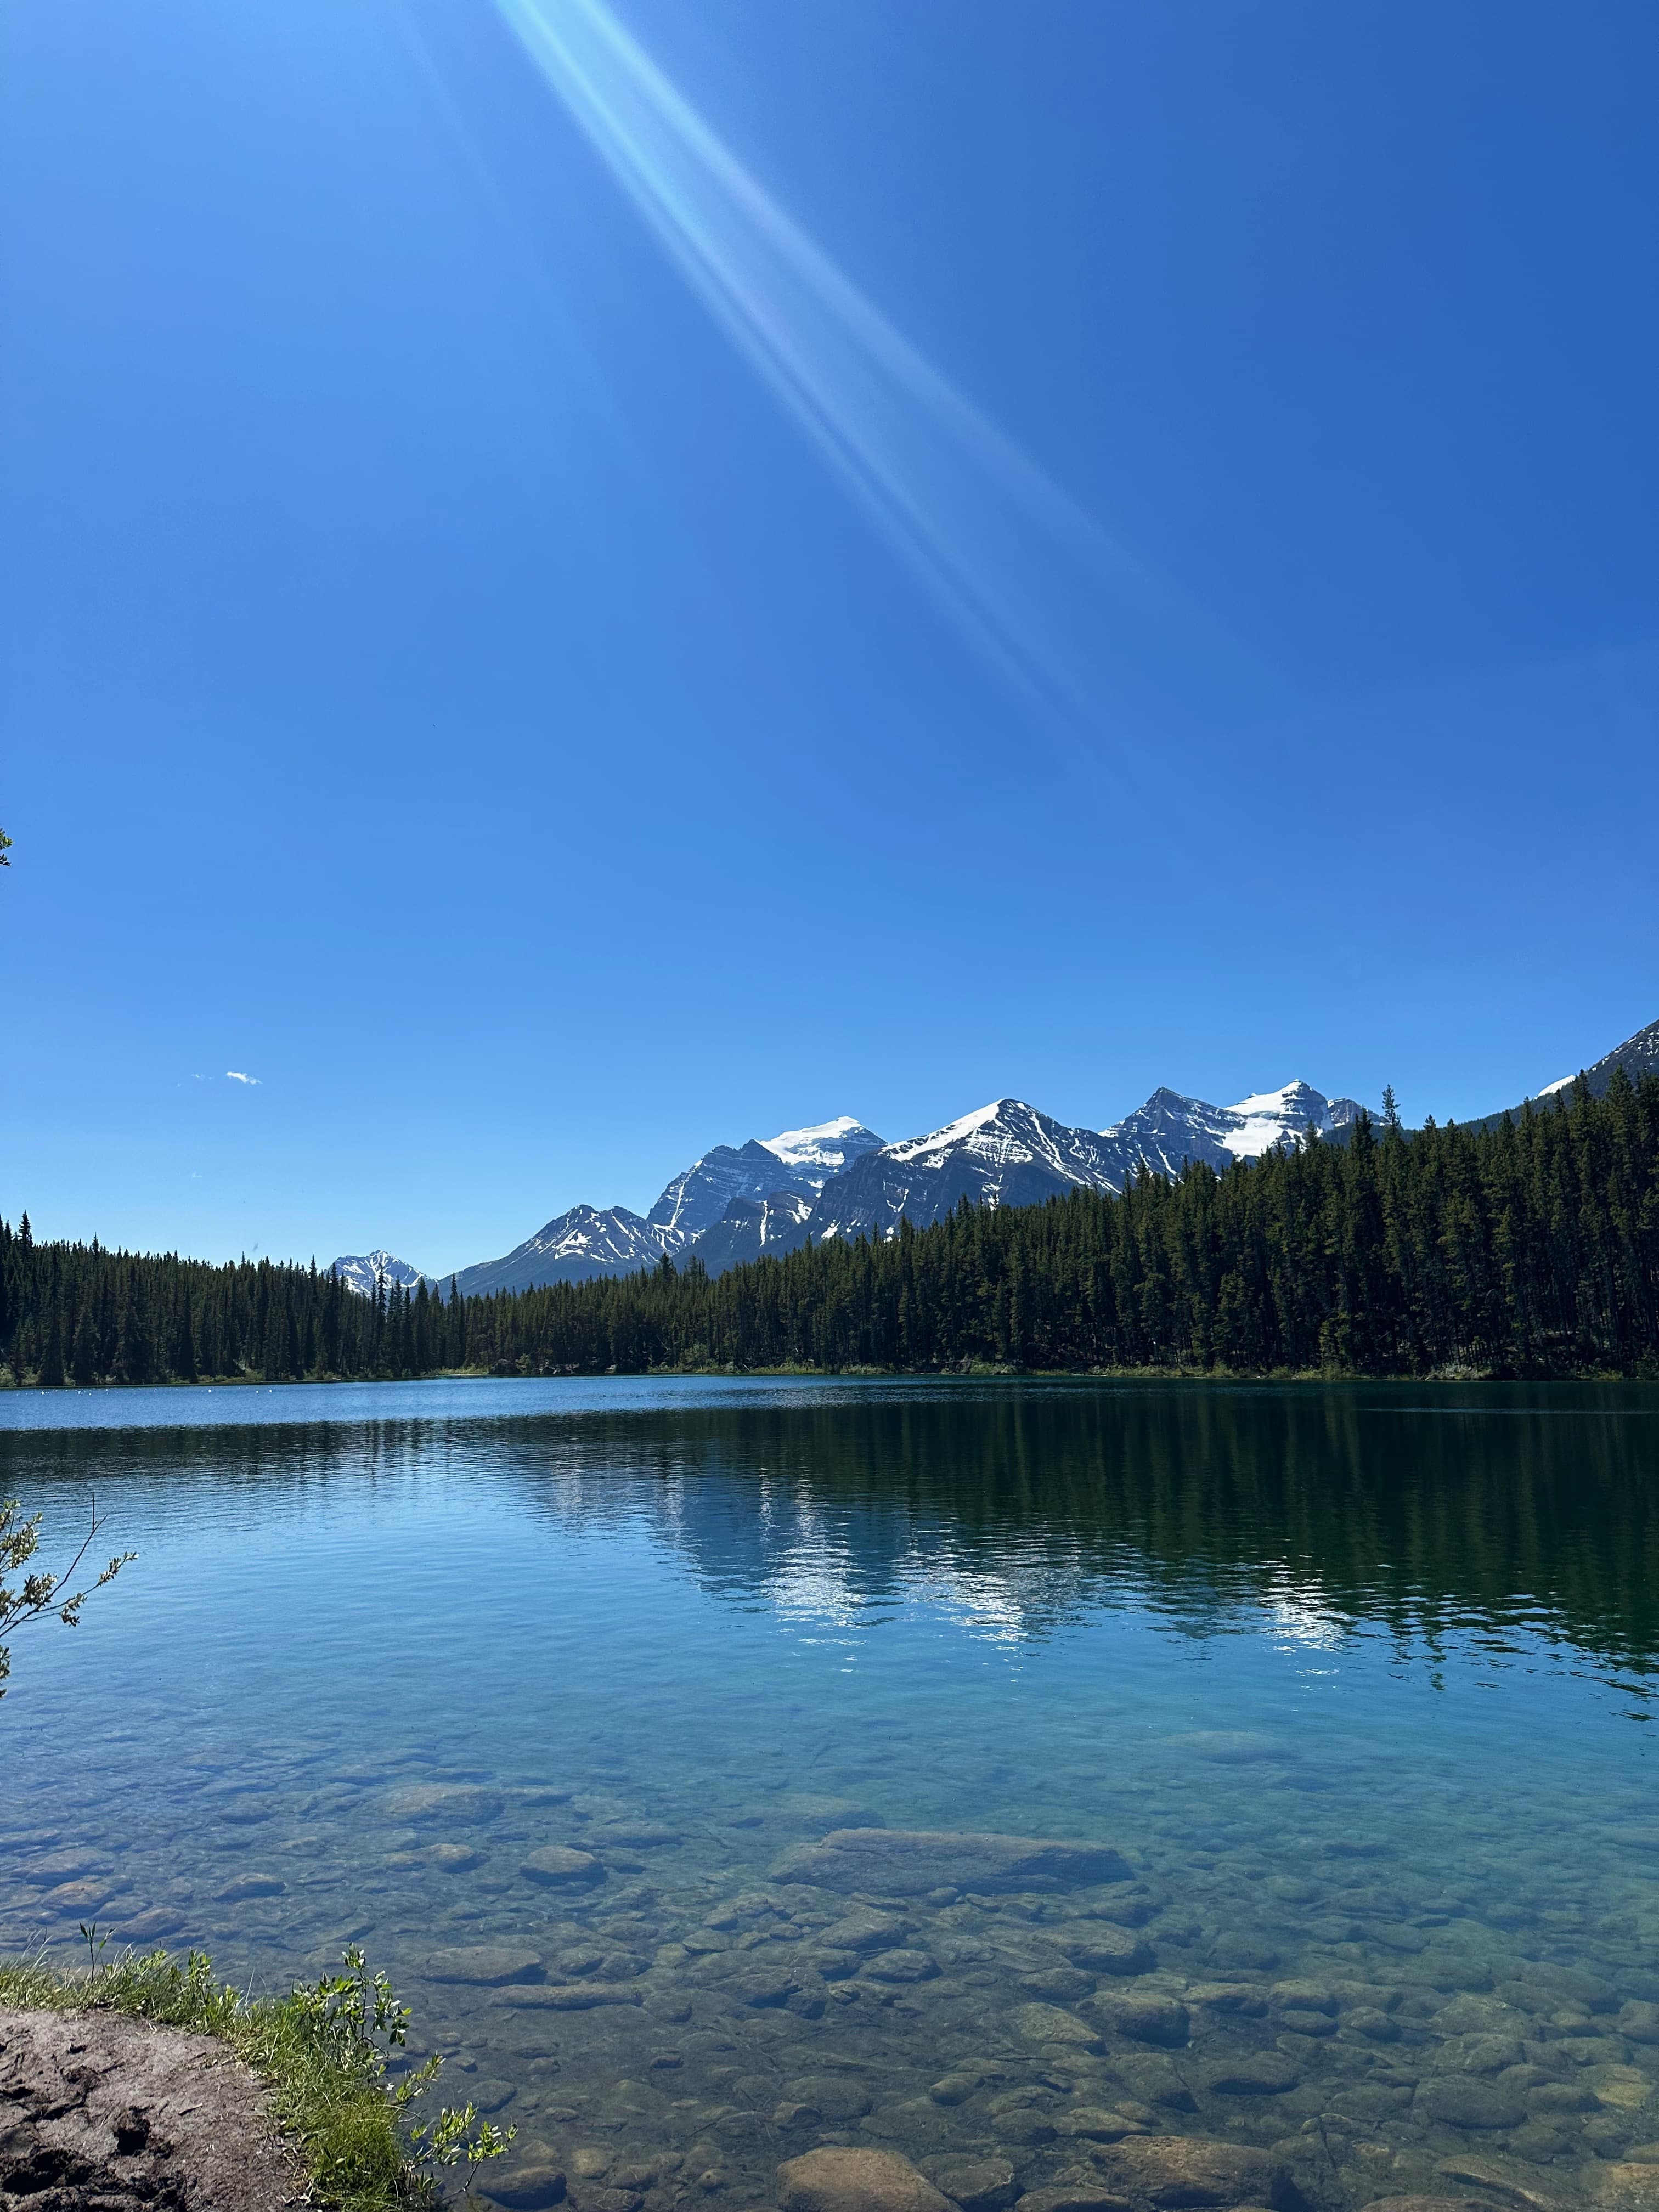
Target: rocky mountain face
571	1247
1009	1154
358	1272
770	1179
749	1226
800	1161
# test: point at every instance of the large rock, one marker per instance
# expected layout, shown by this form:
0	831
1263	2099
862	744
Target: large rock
570	1996
977	2185
1428	2204
1465	2101
1172	2171
1147	2018
530	2188
462	1801
555	1866
1621	2185
1047	2023
909	1862
846	2180
1108	1950
487	1966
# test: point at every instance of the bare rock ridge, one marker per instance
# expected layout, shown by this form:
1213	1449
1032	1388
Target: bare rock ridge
98	2113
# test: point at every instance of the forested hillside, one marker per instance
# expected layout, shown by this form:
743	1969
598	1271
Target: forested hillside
1531	1249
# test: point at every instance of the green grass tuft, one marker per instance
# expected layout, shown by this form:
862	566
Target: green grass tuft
314	2049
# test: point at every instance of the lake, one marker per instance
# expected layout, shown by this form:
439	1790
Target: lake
696	1757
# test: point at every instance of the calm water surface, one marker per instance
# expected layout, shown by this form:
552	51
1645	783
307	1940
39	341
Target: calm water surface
1359	1683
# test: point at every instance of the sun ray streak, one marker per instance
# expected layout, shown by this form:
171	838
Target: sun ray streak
1084	627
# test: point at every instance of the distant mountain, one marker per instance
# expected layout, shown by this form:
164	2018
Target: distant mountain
799	1160
359	1271
1009	1154
1169	1130
838	1179
571	1247
765	1172
1639	1055
1004	1154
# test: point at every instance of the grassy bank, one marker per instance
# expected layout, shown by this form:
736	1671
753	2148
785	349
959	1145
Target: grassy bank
321	2050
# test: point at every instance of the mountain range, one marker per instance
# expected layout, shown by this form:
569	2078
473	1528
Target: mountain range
839	1178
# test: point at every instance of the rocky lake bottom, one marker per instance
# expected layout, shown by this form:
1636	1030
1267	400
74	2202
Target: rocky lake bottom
717	1794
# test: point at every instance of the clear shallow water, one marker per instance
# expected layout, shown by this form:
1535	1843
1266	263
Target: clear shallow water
1358	1682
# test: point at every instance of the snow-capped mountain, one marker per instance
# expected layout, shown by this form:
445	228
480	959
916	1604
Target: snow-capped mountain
838	1179
799	1160
571	1247
765	1173
1009	1154
359	1271
1004	1154
1169	1129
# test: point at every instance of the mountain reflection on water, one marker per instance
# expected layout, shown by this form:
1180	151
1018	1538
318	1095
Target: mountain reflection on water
1484	1510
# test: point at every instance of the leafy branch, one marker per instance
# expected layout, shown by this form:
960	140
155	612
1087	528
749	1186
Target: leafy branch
40	1594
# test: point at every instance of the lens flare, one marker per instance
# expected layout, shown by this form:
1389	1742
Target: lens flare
1074	617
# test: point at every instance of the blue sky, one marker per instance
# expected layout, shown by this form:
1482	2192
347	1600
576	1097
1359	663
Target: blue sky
892	556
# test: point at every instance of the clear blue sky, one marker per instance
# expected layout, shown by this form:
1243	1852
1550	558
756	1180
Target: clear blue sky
1211	637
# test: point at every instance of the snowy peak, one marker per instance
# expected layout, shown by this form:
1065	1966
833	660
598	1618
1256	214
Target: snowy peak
801	1160
1171	1129
1007	1154
361	1270
1270	1116
584	1241
825	1148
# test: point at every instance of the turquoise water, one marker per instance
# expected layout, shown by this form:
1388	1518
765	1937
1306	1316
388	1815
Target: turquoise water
1358	1682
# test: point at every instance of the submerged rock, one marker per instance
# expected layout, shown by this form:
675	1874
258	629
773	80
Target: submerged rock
1144	2018
977	2185
1172	2172
1109	1950
834	2179
1624	2185
488	1965
250	1885
528	2189
557	1866
1263	2074
832	2098
1428	2204
911	1863
1047	2023
1463	2100
152	1927
441	1801
561	1997
863	1929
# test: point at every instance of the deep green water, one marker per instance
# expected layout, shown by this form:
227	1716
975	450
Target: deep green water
1360	1683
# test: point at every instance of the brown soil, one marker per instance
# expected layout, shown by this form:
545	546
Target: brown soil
99	2112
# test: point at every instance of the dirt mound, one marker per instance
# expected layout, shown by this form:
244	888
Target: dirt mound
99	2111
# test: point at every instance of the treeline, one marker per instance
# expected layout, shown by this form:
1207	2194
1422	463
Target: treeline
79	1314
1528	1249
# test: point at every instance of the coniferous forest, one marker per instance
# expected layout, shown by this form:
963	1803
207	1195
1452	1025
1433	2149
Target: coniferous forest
1528	1249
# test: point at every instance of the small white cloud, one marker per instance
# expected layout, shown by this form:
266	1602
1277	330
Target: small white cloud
235	1075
